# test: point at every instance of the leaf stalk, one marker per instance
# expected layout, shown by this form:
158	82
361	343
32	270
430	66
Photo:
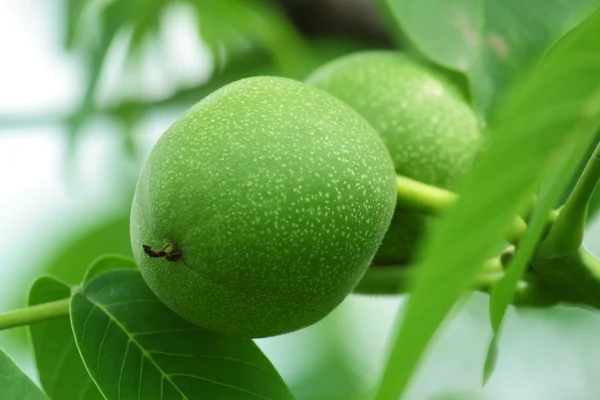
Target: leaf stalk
34	314
566	234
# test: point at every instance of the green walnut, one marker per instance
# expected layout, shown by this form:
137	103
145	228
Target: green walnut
261	207
430	131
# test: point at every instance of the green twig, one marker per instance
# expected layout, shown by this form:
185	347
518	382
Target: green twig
421	197
396	279
34	314
429	199
566	234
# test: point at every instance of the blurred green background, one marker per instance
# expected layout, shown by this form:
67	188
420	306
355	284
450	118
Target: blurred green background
86	87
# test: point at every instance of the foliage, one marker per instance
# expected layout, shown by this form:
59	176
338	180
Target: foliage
490	41
161	353
15	384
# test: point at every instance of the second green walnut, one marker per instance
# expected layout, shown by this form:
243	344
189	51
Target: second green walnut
429	129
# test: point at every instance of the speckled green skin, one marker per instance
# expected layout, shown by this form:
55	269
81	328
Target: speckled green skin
430	131
277	195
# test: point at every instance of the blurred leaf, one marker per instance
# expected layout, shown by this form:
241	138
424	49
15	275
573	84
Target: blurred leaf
252	62
231	26
259	22
503	293
135	347
594	204
73	10
105	263
128	115
332	378
491	359
146	19
490	41
566	164
113	17
334	375
72	258
242	66
60	369
15	384
557	104
392	27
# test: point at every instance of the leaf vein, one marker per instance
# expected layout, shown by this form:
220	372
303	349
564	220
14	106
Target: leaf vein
86	322
122	369
183	330
102	345
60	364
207	356
141	375
222	384
84	390
112	318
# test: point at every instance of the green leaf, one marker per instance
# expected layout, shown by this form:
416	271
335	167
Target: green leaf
490	359
59	366
490	41
107	262
594	203
504	291
556	105
135	347
14	383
